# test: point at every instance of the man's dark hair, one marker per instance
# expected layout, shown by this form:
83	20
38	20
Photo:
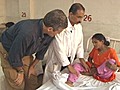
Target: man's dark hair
9	24
56	19
75	7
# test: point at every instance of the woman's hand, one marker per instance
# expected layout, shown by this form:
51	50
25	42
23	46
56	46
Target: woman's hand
93	70
111	66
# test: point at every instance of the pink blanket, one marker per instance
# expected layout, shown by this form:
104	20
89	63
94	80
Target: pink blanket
105	72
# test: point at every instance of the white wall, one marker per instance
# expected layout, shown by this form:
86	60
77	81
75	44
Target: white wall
24	9
12	10
105	14
105	17
43	6
2	10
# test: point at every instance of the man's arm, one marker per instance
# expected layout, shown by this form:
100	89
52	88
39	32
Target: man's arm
80	49
59	49
84	64
61	54
32	67
18	50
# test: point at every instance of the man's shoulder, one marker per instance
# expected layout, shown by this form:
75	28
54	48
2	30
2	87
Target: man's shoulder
28	21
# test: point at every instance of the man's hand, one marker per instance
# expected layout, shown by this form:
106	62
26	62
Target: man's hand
31	71
72	70
32	68
86	67
20	78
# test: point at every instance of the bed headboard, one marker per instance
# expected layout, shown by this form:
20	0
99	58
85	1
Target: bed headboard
114	43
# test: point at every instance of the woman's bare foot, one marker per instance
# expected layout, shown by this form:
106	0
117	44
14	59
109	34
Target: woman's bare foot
69	83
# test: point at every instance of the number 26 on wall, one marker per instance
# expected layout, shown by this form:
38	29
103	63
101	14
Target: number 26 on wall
87	18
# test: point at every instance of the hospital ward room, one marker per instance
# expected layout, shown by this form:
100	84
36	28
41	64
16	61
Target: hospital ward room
59	45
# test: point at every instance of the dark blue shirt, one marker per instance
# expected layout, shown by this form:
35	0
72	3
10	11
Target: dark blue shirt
25	38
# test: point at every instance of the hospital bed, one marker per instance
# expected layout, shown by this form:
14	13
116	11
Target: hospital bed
58	79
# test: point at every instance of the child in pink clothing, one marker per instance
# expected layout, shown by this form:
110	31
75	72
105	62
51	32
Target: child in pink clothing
102	71
79	68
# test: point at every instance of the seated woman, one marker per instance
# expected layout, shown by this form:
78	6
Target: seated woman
103	62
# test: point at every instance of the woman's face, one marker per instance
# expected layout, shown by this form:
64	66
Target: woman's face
97	43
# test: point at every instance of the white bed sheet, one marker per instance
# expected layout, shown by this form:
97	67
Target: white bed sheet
83	83
87	82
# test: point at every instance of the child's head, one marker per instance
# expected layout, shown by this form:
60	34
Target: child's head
99	40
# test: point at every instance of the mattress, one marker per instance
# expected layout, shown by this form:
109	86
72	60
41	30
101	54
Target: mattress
83	83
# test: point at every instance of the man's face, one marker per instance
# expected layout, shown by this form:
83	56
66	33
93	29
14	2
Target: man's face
77	17
52	32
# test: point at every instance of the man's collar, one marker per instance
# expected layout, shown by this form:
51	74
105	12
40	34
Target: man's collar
70	27
41	28
69	24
